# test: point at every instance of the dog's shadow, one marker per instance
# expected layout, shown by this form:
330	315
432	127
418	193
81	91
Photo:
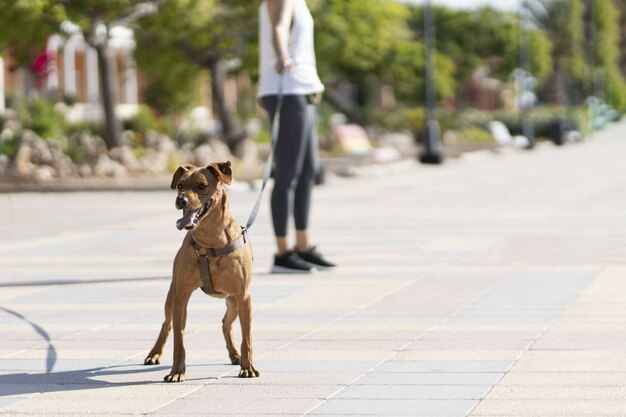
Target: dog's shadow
81	379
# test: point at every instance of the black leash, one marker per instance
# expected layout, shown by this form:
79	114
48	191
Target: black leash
270	159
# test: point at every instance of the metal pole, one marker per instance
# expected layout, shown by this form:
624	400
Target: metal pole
431	153
528	129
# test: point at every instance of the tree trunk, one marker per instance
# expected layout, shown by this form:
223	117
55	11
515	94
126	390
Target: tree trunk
231	130
113	127
349	109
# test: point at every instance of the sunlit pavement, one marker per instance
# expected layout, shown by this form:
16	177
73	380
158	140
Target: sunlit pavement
494	285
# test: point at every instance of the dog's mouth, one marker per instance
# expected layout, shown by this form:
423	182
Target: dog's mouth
191	217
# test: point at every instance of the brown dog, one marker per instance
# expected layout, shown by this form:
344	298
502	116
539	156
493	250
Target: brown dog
216	244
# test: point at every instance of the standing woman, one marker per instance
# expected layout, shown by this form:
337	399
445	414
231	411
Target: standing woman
287	65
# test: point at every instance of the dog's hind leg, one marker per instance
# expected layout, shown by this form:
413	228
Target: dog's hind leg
154	357
227	329
245	319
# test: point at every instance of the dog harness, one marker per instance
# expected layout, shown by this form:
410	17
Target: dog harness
203	260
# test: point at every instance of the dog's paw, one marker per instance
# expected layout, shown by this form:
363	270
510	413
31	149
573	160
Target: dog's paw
235	359
250	372
153	359
174	377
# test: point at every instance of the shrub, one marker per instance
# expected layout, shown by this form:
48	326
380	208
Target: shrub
40	116
145	120
474	135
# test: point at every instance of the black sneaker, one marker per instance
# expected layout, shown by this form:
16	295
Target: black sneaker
313	257
290	263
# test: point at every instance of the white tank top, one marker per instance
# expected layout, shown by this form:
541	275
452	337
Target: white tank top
303	78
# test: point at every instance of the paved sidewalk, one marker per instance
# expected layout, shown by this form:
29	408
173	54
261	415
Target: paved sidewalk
492	286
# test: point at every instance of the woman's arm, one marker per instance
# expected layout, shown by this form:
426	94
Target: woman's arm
281	14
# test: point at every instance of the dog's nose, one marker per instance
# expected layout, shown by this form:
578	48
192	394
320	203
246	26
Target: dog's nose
181	202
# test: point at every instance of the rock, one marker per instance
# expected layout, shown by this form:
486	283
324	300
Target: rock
92	146
45	173
106	167
84	171
159	142
62	163
6	134
22	160
125	156
5	164
221	153
203	155
250	165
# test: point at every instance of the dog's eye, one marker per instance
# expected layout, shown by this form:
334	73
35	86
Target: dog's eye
201	186
179	186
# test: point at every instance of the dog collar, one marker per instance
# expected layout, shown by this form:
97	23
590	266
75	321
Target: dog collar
203	259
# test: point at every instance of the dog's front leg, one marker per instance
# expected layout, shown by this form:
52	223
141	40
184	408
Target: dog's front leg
227	329
181	299
245	318
154	357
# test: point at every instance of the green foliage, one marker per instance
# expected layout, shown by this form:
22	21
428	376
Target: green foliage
40	116
411	119
474	134
540	54
543	119
356	37
484	36
615	89
143	121
38	18
606	45
8	141
203	30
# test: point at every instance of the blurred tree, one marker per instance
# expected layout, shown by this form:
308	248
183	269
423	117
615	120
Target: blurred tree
94	18
355	41
211	34
561	21
621	5
483	37
605	53
171	81
42	18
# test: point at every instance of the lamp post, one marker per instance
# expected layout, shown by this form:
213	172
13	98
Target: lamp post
528	129
431	152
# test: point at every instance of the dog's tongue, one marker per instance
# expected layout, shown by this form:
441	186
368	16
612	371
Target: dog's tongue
187	219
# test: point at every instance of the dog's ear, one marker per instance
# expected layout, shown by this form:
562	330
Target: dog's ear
222	171
179	173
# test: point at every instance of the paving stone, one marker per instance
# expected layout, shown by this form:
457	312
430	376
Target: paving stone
394	407
430	378
415	392
549	408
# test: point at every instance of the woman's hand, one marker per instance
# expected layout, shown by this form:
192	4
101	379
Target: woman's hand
283	65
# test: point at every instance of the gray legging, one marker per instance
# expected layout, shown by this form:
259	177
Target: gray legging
295	161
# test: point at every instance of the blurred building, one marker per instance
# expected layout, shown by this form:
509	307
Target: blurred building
67	70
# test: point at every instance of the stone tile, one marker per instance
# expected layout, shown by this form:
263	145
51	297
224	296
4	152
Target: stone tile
240	406
456	355
324	366
80	406
430	378
548	408
503	391
415	392
568	378
444	366
394	407
243	390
